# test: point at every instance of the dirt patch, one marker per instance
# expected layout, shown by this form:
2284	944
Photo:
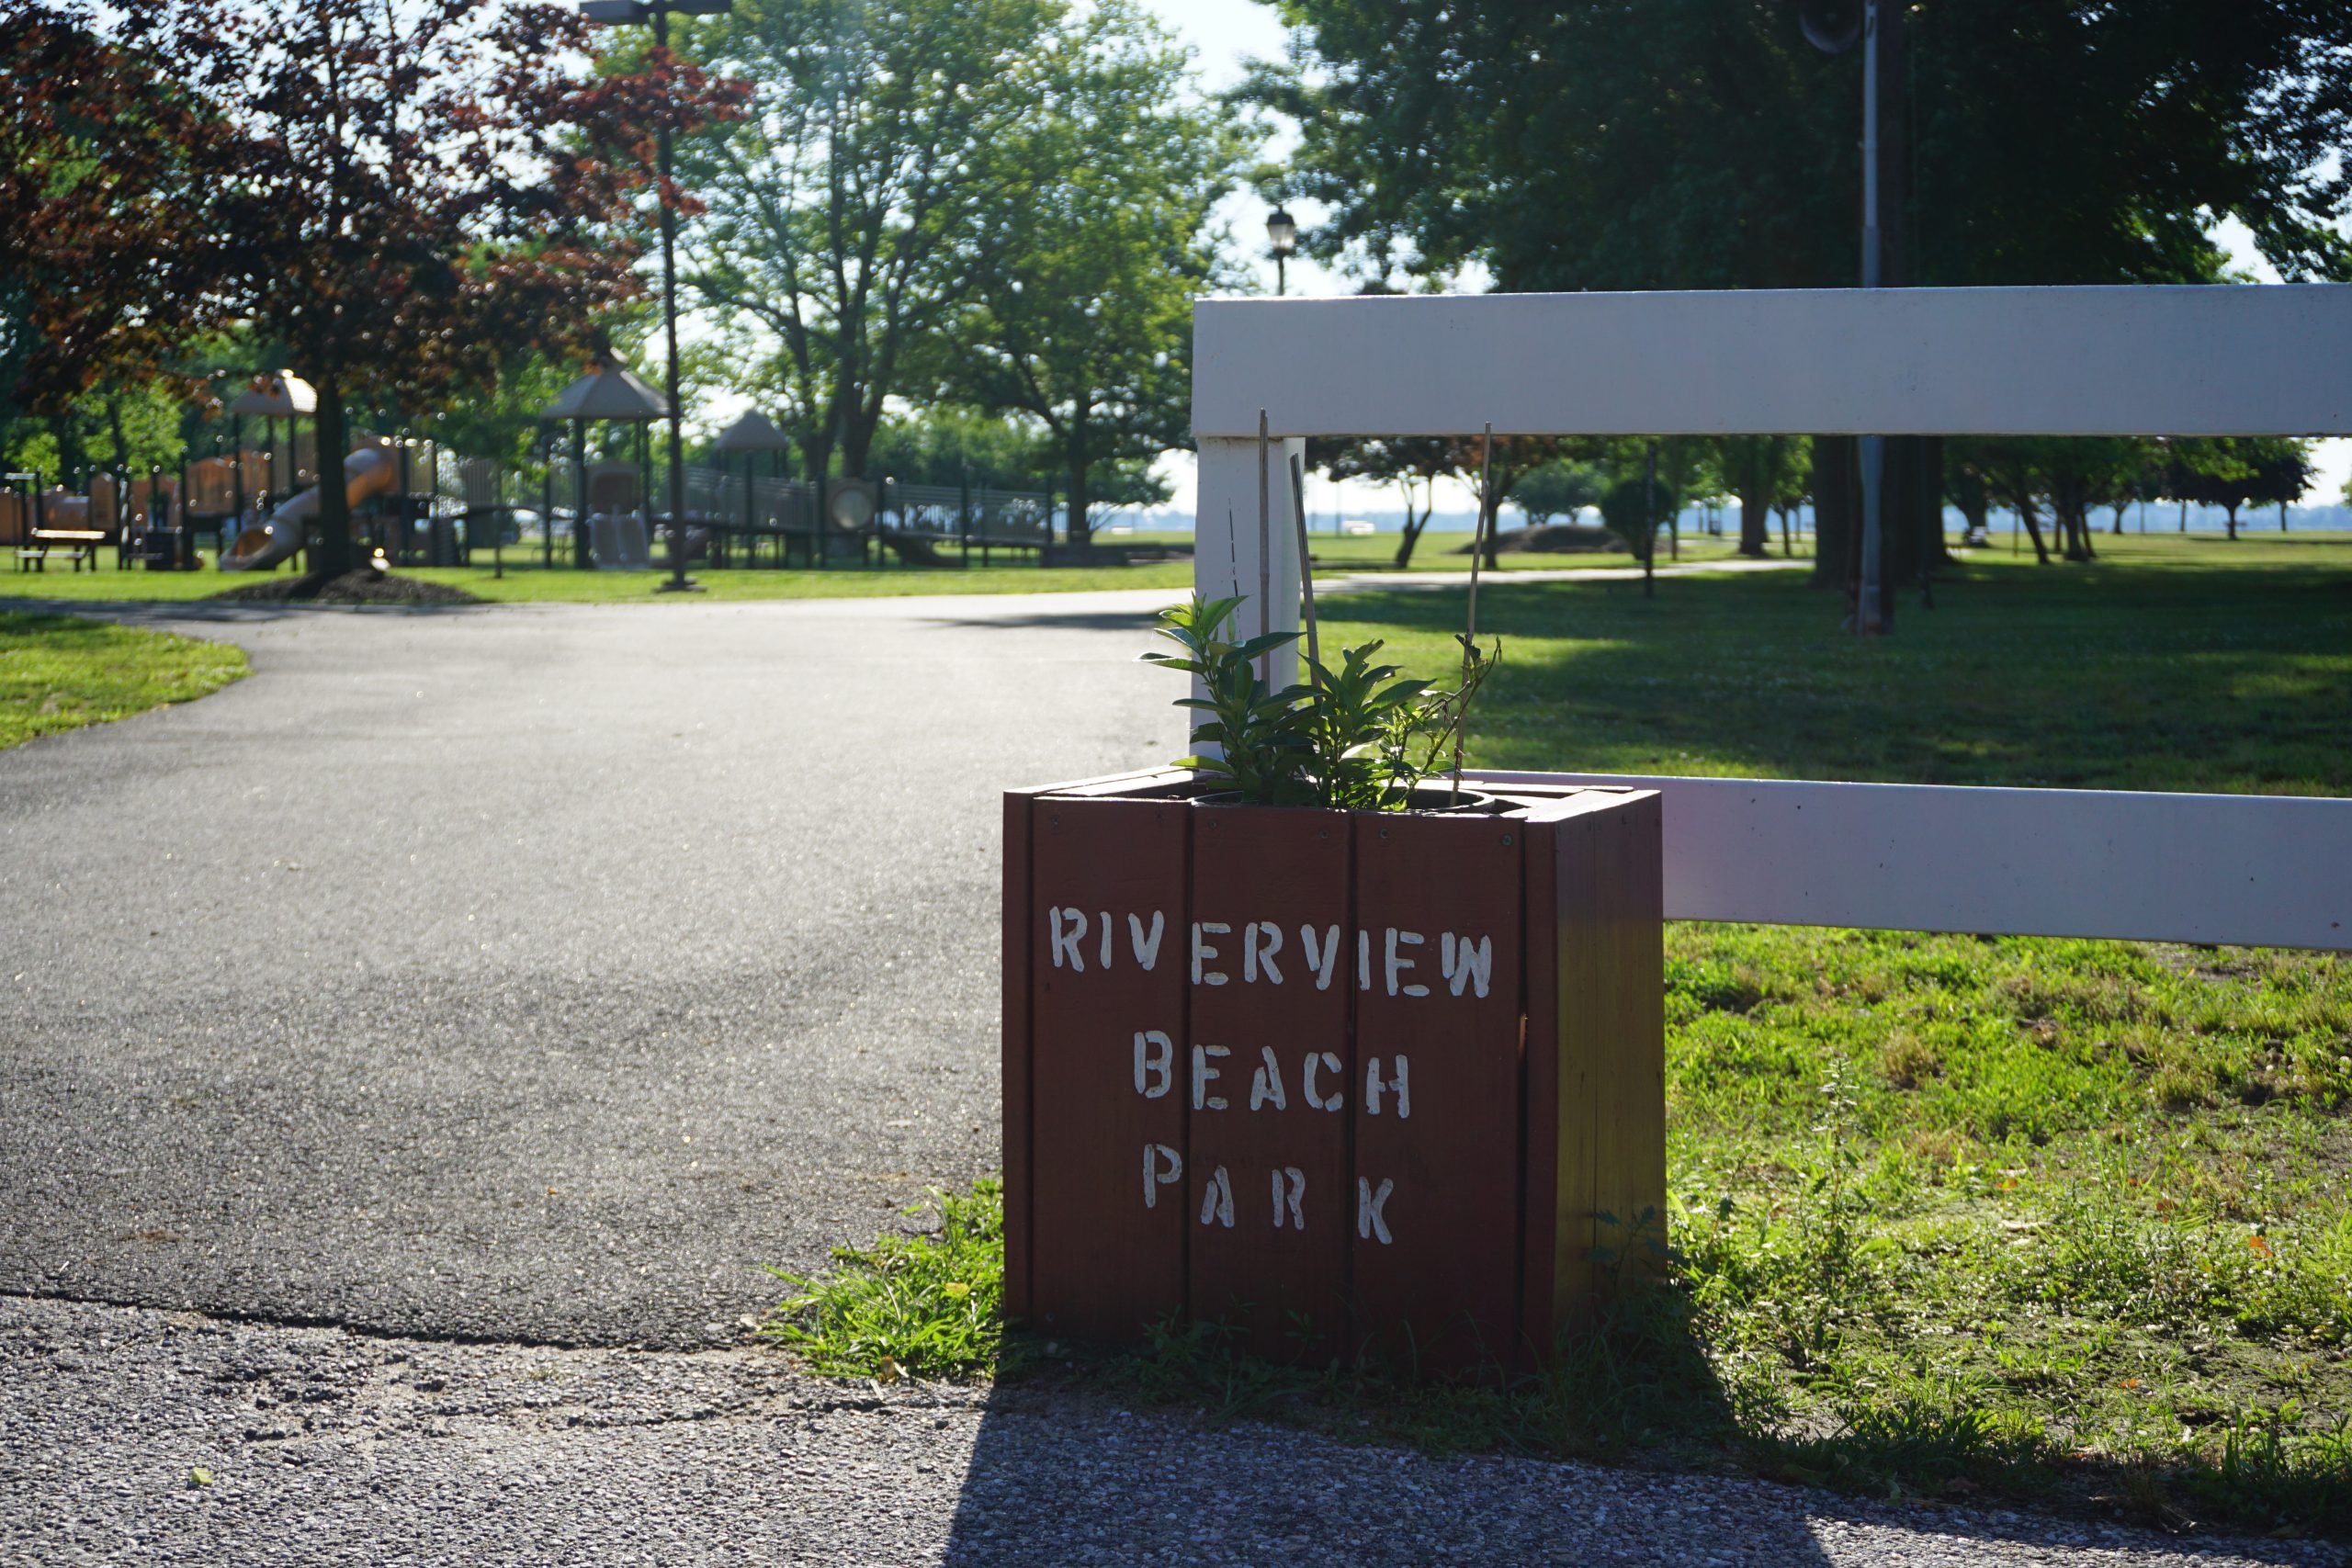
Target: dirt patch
351	588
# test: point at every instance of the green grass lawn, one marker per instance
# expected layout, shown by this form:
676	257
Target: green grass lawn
526	580
58	672
1956	1217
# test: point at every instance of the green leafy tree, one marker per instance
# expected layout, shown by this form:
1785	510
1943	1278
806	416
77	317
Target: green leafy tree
1559	489
1413	463
1083	320
1635	508
1702	144
853	209
2233	472
1757	469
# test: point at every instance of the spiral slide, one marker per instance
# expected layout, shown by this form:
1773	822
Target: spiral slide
371	471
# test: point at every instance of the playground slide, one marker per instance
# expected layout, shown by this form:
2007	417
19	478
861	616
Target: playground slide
371	471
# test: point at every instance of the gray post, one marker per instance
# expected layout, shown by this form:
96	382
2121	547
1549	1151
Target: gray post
1869	619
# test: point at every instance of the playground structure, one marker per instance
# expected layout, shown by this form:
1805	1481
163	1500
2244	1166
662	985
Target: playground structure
582	500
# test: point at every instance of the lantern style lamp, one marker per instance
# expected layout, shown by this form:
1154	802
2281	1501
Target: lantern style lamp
1281	231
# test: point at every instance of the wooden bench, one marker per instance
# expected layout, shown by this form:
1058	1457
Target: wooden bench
81	544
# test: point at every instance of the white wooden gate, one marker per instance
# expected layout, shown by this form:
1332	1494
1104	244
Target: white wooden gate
2253	869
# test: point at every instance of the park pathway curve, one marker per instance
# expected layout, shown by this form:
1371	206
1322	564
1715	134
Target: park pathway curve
409	1055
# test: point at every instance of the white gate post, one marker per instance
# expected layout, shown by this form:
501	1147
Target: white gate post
1225	538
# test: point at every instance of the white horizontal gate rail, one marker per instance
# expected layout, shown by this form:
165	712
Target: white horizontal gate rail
2248	870
2133	361
2245	870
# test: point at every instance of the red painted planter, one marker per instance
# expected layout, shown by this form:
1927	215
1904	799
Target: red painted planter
1357	1084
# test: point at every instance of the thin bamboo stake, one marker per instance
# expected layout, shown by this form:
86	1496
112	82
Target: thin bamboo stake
1305	573
1265	558
1477	559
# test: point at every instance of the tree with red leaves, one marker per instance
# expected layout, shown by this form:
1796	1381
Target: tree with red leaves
411	190
105	163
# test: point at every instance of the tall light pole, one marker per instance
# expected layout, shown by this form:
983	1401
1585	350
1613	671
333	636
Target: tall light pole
1834	27
658	11
1282	232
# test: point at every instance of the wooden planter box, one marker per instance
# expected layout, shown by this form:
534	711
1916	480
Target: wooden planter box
1359	1085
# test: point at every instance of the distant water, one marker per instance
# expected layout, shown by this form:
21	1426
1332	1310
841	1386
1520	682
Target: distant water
2158	517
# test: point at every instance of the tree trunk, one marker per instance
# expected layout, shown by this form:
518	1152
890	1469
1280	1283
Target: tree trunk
1081	530
1788	547
71	457
2233	520
1836	508
2024	502
1975	505
1414	523
331	554
1755	522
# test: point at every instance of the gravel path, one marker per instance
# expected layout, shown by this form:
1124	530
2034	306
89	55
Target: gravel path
327	1447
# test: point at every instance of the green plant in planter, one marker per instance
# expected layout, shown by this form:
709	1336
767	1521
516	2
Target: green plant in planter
1358	738
1360	721
1262	734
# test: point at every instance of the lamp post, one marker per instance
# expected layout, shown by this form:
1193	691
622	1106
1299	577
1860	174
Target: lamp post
658	11
1281	231
1834	27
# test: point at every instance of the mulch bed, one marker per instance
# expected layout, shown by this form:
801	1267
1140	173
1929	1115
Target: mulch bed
361	587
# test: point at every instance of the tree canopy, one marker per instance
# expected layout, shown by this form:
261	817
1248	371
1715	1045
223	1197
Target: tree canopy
1702	143
1084	323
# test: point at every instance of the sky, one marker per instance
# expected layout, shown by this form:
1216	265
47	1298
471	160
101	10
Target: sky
1224	33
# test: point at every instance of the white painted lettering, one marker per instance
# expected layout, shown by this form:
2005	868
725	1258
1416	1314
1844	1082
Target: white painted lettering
1203	951
1155	1062
1465	964
1203	1074
1216	1199
1162	1167
1370	1222
1068	928
1401	1084
1363	960
1290	1176
1329	1064
1107	929
1397	965
1260	940
1146	948
1266	1084
1323	961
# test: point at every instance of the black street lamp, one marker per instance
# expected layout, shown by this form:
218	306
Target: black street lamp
658	11
1281	229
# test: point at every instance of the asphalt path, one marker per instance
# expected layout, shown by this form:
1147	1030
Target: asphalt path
410	1056
532	974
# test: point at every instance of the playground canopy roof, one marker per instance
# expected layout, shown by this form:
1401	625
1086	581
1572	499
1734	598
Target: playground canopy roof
611	390
752	433
276	395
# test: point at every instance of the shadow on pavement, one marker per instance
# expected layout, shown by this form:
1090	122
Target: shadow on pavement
1054	620
1075	1479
